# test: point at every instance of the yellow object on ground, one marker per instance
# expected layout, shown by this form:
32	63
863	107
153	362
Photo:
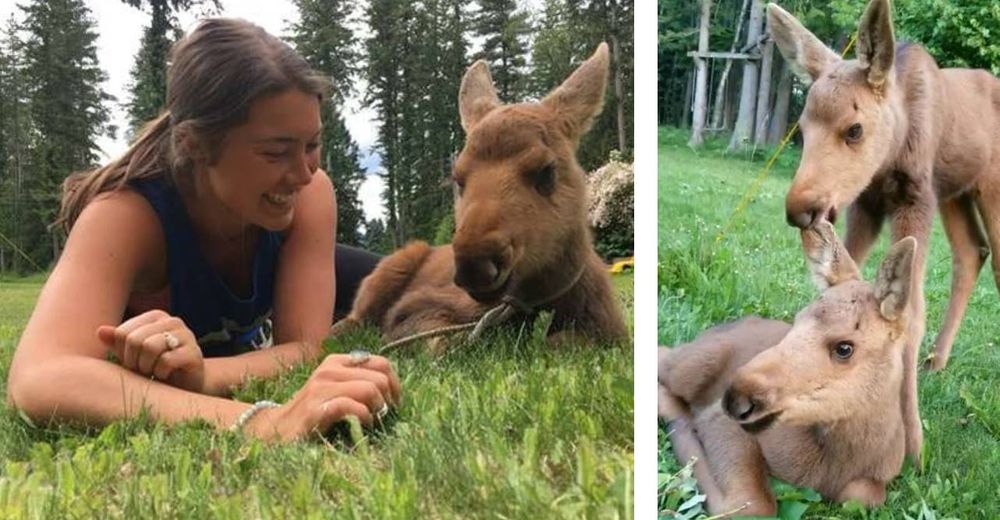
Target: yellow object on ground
623	265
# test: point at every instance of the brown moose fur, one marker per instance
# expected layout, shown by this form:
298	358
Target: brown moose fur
761	397
928	138
520	215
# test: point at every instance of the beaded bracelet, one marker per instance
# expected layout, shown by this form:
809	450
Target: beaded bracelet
250	412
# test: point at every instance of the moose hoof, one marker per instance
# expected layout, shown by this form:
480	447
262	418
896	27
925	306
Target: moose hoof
935	363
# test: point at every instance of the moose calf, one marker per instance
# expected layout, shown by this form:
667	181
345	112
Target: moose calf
520	216
815	403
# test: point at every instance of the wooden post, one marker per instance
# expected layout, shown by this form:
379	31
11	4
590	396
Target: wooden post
764	94
743	131
701	89
720	89
688	83
779	119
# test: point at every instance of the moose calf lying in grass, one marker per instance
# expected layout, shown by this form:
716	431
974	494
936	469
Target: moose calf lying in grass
520	216
815	403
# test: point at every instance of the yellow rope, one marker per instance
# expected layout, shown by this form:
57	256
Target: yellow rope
752	190
22	253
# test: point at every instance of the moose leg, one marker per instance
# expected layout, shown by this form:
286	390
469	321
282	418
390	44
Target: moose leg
700	371
733	474
864	222
988	203
968	254
865	490
914	220
381	289
591	309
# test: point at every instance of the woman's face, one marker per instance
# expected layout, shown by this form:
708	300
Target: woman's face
263	163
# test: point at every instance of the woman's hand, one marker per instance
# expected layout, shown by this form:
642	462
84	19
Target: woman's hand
158	345
341	385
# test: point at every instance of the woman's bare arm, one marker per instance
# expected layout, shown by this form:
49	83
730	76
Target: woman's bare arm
60	369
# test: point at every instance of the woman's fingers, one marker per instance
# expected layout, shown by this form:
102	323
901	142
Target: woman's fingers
106	333
159	345
350	374
165	366
145	341
365	392
153	347
375	368
339	408
170	361
115	337
382	365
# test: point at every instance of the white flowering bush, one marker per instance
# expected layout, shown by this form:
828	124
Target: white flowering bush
612	203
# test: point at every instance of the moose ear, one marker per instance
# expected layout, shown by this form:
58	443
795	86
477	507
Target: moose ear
828	261
477	96
806	54
876	43
581	97
892	285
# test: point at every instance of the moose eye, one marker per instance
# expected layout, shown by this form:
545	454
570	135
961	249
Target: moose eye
854	133
843	350
458	185
545	180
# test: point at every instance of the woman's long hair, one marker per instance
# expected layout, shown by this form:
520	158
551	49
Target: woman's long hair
216	73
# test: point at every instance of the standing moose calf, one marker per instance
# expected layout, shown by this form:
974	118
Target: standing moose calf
815	403
520	216
894	136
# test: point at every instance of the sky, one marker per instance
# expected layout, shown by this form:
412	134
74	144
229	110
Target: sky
119	29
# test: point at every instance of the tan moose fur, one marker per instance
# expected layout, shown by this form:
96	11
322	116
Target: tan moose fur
929	138
520	216
760	397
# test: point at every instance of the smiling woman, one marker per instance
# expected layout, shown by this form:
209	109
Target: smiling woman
206	253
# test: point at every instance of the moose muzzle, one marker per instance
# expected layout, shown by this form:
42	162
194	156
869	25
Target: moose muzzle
483	276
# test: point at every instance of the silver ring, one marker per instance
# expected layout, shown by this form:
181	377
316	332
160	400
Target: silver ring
382	412
359	356
171	340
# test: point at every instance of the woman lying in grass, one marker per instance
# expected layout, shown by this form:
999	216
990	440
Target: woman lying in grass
202	257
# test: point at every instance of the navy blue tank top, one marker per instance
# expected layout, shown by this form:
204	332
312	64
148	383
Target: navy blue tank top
224	323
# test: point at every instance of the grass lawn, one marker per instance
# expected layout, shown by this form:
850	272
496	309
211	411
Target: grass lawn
507	428
757	267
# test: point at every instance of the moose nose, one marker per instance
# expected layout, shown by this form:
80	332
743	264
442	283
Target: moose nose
478	273
801	219
738	405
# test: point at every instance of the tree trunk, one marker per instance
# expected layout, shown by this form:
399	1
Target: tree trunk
732	102
779	120
698	121
688	82
743	131
764	95
54	235
720	90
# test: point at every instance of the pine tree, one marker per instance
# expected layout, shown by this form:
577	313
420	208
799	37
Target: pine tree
432	131
375	237
569	32
324	39
67	105
340	158
386	48
505	29
15	135
148	86
556	50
